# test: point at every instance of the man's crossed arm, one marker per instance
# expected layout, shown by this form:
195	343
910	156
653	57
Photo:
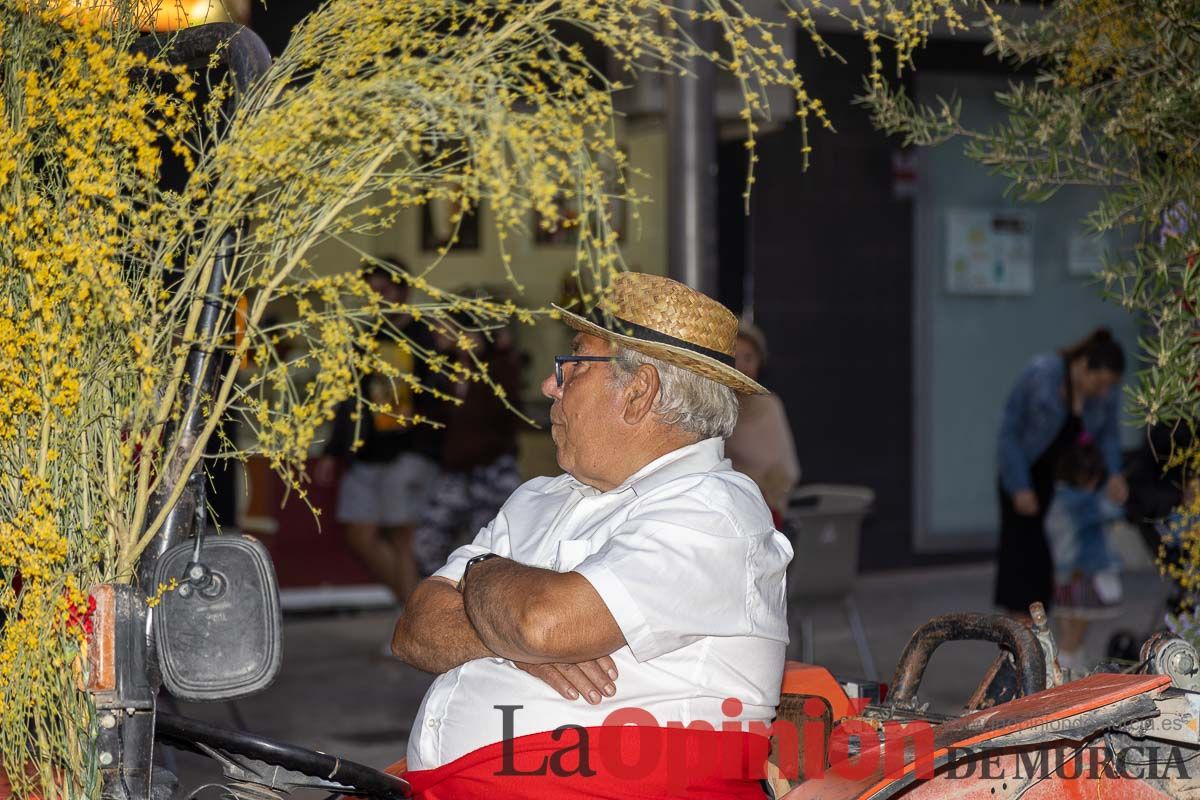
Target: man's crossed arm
553	625
433	633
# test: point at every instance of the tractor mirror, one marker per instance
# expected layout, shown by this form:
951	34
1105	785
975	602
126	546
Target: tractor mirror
218	631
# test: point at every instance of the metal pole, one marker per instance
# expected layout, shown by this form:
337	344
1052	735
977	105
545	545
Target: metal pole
692	164
248	59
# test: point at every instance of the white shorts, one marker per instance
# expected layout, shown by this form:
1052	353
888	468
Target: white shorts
387	493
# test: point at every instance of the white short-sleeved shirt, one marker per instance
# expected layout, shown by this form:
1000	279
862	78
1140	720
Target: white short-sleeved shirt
686	558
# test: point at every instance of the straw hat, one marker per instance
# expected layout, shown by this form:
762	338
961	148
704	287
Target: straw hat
669	321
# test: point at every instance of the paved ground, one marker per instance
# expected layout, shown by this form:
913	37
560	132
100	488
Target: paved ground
339	694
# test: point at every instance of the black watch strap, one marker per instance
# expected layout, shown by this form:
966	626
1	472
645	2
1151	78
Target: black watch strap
470	563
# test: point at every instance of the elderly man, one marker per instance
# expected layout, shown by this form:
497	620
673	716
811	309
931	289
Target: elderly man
647	581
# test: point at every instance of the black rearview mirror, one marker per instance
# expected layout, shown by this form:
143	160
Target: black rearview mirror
218	632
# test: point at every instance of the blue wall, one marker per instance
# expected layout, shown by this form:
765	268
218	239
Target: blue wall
968	350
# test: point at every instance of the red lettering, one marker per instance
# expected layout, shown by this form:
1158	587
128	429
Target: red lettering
644	743
787	745
681	768
865	762
815	757
733	758
897	735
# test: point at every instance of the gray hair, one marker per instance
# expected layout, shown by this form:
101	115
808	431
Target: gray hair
695	403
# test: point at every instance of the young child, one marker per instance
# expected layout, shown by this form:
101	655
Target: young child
1087	577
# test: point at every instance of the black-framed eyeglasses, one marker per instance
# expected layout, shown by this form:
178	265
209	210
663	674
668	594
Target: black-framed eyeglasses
560	360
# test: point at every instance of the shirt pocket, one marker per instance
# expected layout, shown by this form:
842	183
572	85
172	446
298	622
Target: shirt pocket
571	554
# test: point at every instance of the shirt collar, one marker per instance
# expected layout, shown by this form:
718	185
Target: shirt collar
703	456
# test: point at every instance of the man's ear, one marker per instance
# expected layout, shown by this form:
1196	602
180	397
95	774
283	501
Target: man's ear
640	394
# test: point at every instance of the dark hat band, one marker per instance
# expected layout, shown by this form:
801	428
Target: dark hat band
633	330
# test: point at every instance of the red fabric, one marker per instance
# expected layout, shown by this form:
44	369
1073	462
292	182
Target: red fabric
776	518
627	761
314	551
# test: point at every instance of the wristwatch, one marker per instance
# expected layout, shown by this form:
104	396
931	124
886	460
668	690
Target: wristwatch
462	582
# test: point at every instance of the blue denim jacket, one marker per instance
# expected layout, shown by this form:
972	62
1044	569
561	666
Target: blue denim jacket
1034	414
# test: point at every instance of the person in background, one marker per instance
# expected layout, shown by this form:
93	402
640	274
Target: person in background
1057	397
479	452
1087	576
761	445
385	485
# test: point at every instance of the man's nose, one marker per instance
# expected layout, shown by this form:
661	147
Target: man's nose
550	387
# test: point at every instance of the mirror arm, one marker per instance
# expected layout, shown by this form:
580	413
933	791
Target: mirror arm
247	58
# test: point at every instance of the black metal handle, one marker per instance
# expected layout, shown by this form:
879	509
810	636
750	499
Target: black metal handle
236	45
1009	633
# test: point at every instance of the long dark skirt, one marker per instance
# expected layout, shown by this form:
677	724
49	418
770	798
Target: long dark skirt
1024	570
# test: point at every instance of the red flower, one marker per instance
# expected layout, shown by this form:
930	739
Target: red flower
81	616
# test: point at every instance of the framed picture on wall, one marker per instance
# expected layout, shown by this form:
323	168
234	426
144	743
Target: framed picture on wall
438	223
989	252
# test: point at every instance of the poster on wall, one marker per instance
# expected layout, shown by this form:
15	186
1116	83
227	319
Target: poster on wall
989	252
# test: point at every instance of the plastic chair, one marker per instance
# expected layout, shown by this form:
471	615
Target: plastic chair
824	524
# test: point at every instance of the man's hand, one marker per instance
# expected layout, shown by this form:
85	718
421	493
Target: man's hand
589	679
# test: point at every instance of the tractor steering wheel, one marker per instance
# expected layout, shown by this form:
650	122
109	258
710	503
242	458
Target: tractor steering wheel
356	778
